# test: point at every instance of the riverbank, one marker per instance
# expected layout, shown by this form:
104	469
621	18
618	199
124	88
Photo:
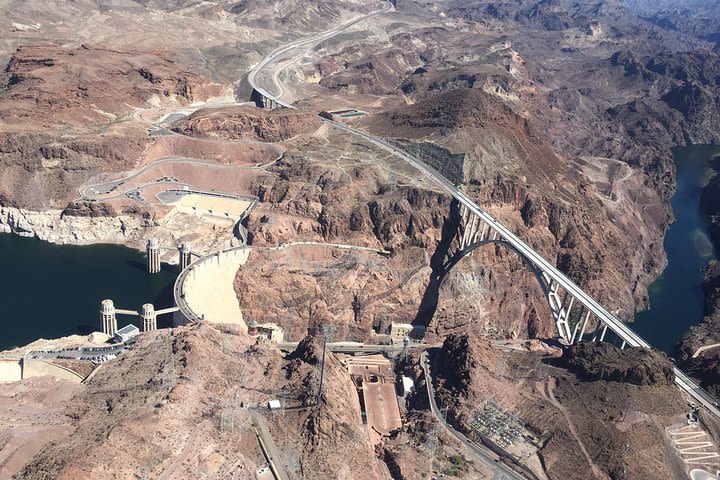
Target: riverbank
55	227
87	225
51	291
706	366
676	295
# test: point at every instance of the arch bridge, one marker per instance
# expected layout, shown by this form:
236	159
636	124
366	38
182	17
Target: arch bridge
577	315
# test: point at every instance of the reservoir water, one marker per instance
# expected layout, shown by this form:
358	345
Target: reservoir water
676	298
50	291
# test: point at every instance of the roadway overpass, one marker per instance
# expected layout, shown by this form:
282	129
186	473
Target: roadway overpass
270	100
477	227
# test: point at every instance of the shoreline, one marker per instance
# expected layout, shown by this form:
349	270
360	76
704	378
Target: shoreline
706	366
53	227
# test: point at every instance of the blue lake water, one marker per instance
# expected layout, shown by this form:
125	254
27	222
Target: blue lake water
676	298
50	291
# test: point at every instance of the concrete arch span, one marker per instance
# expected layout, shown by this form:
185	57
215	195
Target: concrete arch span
571	324
466	251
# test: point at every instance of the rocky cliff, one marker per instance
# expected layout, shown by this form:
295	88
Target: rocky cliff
328	439
459	360
630	392
706	366
505	163
247	123
632	104
63	113
60	226
176	405
602	361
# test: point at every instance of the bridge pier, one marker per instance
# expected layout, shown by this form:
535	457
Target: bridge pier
484	229
185	255
149	317
559	312
153	256
107	313
602	336
582	329
469	232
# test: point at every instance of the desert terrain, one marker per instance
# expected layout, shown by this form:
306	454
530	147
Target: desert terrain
121	121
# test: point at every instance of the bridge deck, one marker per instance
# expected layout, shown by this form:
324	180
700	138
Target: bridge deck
590	304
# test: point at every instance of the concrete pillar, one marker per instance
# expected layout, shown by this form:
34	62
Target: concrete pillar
582	331
185	256
482	235
477	231
470	227
149	317
153	256
107	312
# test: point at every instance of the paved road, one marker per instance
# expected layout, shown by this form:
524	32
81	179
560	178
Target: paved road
272	451
485	455
83	353
342	246
352	347
616	325
252	76
101	191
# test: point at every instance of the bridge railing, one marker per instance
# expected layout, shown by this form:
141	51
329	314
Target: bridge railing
551	272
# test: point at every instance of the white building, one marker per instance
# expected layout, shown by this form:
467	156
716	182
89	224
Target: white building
406	385
398	332
126	333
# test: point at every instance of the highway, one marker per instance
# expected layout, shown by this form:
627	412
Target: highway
99	191
502	471
615	324
252	76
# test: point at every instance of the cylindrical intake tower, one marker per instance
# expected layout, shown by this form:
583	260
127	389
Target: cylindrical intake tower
107	313
185	255
153	256
149	317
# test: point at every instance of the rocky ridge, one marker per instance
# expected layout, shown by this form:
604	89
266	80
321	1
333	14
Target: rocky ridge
247	123
553	403
592	361
64	116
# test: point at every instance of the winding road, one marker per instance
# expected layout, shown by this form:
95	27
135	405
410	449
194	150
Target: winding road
98	192
274	55
548	270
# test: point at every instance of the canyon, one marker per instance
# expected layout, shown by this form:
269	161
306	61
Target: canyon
557	118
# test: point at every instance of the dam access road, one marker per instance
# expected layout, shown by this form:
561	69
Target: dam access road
554	279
